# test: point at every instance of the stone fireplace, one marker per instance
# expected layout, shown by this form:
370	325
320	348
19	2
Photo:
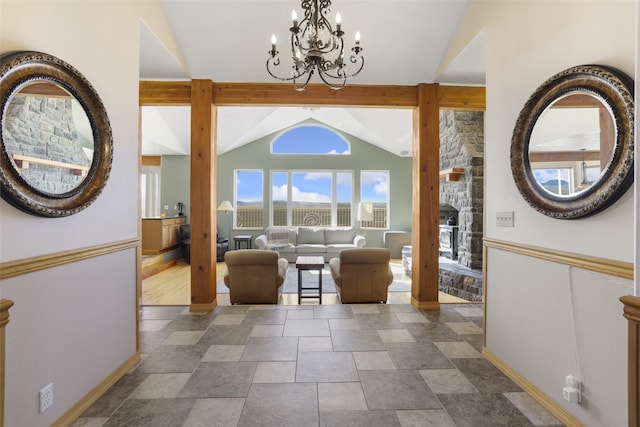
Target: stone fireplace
461	200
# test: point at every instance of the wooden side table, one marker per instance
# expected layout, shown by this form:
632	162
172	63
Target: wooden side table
310	263
240	238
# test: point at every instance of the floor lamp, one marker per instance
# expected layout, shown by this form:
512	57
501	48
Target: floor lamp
226	207
365	213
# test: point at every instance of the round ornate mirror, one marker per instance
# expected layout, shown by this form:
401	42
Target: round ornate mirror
56	146
572	146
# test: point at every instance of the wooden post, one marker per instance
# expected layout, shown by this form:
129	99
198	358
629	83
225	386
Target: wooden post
632	313
5	305
203	197
426	198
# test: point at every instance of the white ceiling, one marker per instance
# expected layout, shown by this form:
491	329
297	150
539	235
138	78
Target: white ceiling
404	42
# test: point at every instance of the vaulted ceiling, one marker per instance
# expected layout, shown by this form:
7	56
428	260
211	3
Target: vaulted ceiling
404	43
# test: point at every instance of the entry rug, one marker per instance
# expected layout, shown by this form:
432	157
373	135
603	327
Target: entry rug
310	279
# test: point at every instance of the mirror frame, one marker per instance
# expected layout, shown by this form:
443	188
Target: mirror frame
20	68
616	89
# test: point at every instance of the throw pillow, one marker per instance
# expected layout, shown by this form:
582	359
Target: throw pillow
277	236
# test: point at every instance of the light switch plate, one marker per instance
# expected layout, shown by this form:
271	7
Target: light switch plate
504	219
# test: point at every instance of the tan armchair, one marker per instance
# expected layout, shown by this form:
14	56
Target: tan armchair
362	275
254	276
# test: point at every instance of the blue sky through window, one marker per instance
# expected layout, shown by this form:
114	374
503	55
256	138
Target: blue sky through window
310	140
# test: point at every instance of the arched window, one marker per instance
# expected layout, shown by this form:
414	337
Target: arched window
310	139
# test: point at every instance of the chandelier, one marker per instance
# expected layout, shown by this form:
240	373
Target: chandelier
317	48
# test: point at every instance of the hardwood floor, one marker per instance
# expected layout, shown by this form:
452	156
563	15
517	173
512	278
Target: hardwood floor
173	287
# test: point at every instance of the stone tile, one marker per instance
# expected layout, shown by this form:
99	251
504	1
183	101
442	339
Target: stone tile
226	334
485	377
190	322
315	344
396	308
174	358
537	414
183	338
233	309
459	349
280	405
265	317
335	324
470	311
464	328
359	418
223	412
159	386
275	372
341	397
378	321
447	313
228	319
306	328
149	341
429	332
418	355
106	405
160	312
151	412
89	422
365	308
395	335
425	418
152	325
356	340
300	314
267	331
324	366
220	379
476	341
373	360
411	317
270	349
223	353
482	409
397	389
444	381
337	311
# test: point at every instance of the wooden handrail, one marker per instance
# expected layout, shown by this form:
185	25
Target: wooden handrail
5	305
632	313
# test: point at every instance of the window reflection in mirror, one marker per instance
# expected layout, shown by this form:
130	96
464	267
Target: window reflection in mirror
48	137
571	143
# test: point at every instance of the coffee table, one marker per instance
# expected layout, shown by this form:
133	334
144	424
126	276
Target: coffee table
310	263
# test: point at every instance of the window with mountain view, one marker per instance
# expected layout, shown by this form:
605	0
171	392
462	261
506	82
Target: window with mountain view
374	189
249	199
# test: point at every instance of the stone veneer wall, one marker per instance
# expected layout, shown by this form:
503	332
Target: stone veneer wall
462	146
43	127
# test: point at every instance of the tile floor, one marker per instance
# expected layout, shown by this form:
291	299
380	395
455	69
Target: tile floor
311	365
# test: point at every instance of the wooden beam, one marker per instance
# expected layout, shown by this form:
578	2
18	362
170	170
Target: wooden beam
203	197
462	98
164	93
632	314
5	305
426	199
315	94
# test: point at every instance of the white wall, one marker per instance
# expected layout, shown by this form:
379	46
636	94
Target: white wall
75	324
530	322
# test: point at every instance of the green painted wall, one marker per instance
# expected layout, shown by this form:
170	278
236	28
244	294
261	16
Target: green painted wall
174	184
364	156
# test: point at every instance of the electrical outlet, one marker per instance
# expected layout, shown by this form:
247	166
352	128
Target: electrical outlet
504	219
46	397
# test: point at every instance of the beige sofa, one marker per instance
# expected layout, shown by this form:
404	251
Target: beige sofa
291	242
362	275
254	276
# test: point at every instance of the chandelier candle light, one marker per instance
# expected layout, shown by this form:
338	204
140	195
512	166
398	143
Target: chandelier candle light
317	48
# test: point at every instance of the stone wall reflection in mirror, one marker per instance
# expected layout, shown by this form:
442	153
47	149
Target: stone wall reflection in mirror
571	143
48	137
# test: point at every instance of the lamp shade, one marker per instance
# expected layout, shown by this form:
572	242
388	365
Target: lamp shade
225	206
365	211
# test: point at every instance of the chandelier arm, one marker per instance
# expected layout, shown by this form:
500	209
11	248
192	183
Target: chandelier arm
333	85
283	79
302	87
